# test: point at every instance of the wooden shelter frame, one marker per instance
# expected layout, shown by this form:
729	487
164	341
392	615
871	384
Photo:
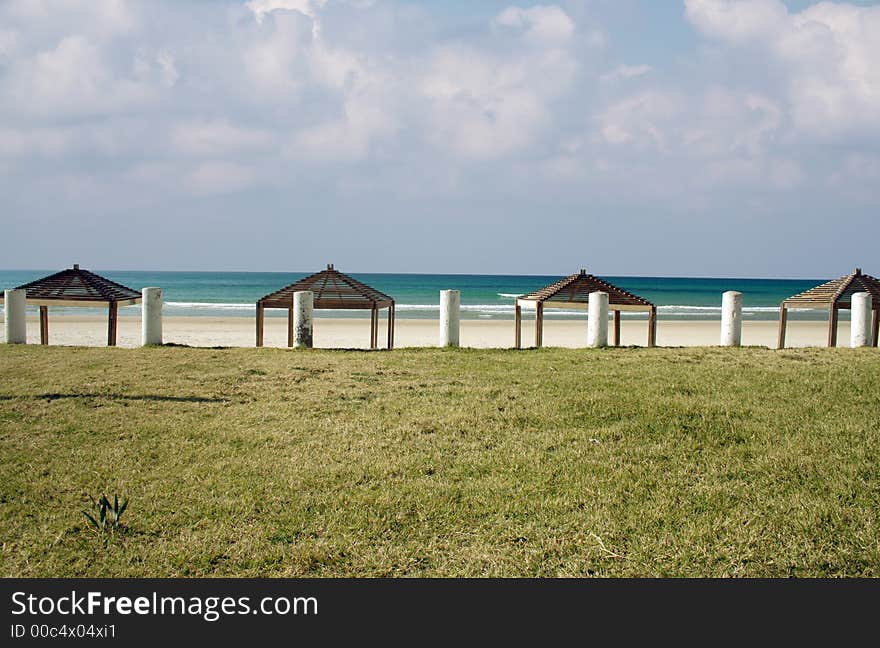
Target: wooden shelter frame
332	290
78	288
573	292
835	295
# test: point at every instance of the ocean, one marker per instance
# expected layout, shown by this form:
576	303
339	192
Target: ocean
417	295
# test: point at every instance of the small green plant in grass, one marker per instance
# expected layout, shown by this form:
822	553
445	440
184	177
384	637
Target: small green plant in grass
107	517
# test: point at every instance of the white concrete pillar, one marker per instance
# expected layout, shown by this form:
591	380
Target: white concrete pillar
303	316
14	302
450	317
597	324
731	318
151	316
860	326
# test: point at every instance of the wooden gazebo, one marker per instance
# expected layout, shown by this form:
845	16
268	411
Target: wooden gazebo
834	295
573	292
332	290
76	287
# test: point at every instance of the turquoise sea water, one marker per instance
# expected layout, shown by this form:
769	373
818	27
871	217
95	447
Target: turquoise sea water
417	296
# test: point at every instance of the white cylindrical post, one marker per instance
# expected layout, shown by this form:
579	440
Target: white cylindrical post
14	302
303	314
151	316
860	326
731	318
450	317
597	324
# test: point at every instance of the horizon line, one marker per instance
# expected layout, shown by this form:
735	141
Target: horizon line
428	274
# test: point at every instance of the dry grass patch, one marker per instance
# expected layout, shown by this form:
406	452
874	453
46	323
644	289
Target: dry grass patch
266	462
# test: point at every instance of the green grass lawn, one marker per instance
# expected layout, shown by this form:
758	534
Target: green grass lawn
268	462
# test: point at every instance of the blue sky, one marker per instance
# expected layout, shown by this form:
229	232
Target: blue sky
691	138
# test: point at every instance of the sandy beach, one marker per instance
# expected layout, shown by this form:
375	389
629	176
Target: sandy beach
354	333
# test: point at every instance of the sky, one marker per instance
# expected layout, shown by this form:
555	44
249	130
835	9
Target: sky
736	138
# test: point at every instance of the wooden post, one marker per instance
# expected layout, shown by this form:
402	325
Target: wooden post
391	327
617	328
374	328
517	319
832	326
290	323
111	324
875	327
783	321
539	324
260	315
44	325
652	326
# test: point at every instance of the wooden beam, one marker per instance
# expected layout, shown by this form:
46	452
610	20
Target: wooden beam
111	324
783	323
652	326
44	325
81	303
517	329
539	325
260	316
832	326
616	328
875	328
629	308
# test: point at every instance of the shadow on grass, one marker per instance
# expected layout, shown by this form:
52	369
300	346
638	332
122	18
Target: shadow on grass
145	397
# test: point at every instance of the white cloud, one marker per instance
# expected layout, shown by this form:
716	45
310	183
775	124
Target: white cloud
482	105
8	44
169	72
75	78
208	98
786	174
346	139
724	123
213	178
92	17
737	20
642	120
261	8
541	24
45	142
215	138
626	72
275	64
826	55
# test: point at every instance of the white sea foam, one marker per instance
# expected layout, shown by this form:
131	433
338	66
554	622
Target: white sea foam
713	309
212	306
498	308
673	310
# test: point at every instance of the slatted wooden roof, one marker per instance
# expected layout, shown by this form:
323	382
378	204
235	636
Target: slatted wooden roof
838	292
332	289
574	292
77	287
